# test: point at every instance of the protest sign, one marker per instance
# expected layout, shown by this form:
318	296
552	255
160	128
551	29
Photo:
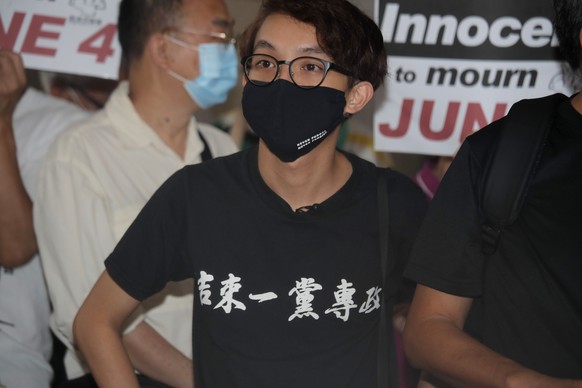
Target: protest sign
69	36
455	66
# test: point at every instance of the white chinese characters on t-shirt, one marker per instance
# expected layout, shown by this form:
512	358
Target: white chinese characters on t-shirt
304	296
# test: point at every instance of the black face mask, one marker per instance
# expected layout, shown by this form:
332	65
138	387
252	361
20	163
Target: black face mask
290	120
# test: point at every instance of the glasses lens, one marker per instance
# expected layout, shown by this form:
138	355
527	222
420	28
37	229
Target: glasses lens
307	71
261	69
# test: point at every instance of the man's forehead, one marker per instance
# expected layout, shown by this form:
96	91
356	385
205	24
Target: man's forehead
210	13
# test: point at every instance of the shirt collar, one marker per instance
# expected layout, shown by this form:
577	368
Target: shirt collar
134	132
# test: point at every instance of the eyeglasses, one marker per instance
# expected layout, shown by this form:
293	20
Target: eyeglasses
305	72
221	37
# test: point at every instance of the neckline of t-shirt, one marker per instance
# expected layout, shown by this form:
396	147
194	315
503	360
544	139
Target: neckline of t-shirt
338	200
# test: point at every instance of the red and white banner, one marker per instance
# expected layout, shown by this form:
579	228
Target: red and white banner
455	66
69	36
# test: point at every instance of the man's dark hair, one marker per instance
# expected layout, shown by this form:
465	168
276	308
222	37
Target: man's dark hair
139	19
567	23
345	33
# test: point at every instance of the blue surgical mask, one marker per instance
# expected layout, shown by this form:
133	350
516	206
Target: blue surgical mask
218	73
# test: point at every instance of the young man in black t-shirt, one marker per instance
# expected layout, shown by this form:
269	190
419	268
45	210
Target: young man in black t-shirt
281	239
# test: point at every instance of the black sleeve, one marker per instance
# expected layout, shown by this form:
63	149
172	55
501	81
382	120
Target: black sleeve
447	253
152	251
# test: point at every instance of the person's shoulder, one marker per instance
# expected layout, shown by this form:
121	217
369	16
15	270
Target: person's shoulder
402	186
220	173
92	125
41	118
544	103
358	160
399	178
393	176
485	137
80	135
35	100
482	141
41	110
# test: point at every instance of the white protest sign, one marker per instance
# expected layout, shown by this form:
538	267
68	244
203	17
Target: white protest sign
455	66
68	36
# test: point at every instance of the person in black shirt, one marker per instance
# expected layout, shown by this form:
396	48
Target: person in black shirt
512	318
281	239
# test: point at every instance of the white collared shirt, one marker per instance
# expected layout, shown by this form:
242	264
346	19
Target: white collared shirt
96	179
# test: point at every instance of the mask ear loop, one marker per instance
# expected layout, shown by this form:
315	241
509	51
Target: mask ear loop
176	75
181	43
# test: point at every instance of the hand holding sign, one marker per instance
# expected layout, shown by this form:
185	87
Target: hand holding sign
12	83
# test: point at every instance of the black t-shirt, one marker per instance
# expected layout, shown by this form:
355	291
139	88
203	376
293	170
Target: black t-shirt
282	299
528	295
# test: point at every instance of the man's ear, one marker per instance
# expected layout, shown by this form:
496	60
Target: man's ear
358	97
157	49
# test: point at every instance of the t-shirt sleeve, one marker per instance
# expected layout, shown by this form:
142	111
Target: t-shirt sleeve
447	253
152	252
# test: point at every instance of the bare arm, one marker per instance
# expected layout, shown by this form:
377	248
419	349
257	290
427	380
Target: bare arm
97	331
152	355
112	356
435	342
17	240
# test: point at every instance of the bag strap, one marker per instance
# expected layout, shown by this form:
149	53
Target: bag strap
518	152
387	371
206	153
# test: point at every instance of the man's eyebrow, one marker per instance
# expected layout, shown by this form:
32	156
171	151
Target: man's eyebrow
302	50
311	50
263	44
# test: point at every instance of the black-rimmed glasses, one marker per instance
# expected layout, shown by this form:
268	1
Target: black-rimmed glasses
305	72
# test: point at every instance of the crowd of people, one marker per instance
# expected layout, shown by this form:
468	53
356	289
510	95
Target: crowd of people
152	250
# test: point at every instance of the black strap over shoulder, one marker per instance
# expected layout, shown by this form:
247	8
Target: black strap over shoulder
206	153
387	371
518	152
